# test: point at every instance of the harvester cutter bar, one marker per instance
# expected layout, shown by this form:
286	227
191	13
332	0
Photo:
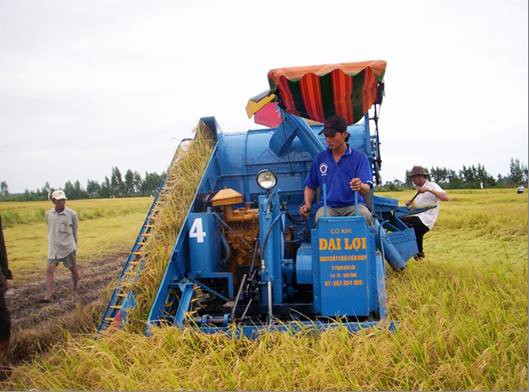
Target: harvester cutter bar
254	331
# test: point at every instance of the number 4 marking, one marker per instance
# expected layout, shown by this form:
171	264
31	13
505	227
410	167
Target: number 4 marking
197	230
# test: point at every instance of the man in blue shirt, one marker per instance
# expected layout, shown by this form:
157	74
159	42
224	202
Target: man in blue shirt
344	170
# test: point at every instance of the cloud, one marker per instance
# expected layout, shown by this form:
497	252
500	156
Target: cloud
119	83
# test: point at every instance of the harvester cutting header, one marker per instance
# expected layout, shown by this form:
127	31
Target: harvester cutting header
244	253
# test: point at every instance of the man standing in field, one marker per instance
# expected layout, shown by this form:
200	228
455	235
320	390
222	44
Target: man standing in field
62	242
5	274
428	194
343	169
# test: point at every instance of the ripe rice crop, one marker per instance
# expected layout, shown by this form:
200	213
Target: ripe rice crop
462	315
31	212
26	233
186	169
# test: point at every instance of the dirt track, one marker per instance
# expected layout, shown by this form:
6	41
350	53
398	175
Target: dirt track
36	325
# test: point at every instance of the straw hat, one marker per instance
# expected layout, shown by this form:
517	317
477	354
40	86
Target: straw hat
419	171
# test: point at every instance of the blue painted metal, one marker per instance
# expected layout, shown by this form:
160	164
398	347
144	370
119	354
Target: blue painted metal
291	127
403	243
391	253
288	152
270	240
381	286
345	264
304	264
185	302
204	243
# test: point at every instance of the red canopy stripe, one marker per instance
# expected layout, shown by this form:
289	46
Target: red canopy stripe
286	95
311	94
369	90
346	89
342	86
295	73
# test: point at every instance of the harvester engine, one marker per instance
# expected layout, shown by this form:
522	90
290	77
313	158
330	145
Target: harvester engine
240	230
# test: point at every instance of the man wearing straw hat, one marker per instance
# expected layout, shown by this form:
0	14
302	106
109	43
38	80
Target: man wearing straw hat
62	242
428	194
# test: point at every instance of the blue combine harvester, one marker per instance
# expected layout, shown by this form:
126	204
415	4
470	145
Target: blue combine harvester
245	257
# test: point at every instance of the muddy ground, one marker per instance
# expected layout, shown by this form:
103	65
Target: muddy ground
36	326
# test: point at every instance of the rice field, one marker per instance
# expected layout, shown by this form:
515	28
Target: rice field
462	315
106	226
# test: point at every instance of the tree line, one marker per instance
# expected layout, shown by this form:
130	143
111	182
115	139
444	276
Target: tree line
131	185
473	176
134	184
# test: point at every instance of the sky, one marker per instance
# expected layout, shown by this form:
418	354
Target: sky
87	85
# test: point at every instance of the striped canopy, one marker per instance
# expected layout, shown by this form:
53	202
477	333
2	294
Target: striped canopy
320	91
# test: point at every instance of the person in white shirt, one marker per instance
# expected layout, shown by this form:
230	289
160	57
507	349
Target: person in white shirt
428	194
62	242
